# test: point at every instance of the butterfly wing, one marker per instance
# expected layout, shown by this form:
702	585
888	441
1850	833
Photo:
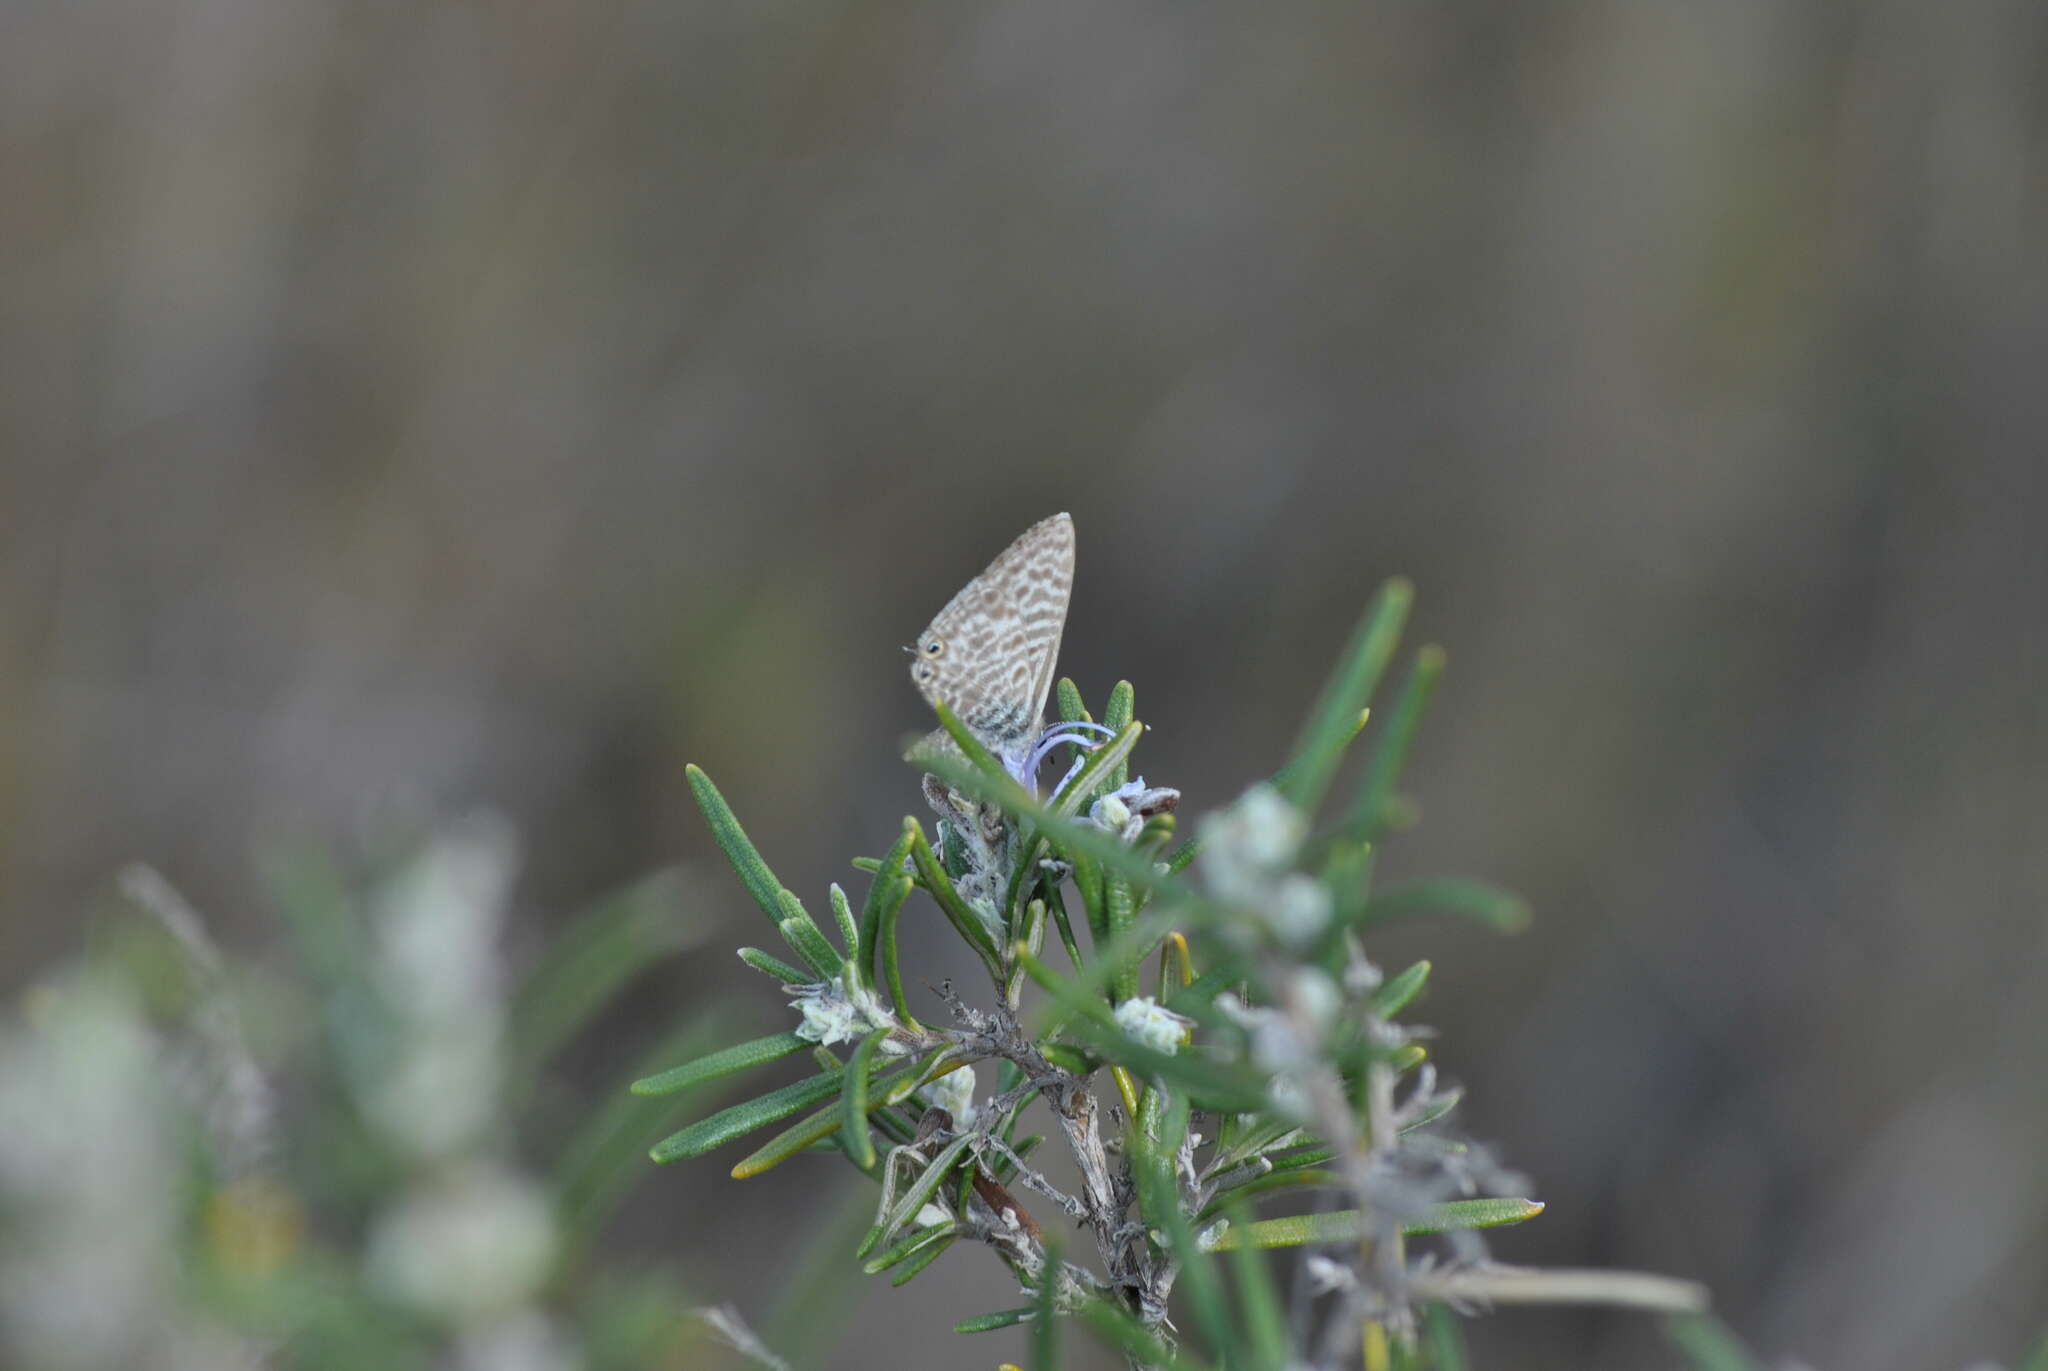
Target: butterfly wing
999	638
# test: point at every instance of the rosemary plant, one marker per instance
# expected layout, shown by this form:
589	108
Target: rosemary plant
1205	1025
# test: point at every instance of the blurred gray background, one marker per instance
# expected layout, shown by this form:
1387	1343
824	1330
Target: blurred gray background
441	404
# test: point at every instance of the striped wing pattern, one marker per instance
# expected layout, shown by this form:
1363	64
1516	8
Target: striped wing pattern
998	639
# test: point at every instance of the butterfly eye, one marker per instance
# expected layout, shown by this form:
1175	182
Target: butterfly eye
935	647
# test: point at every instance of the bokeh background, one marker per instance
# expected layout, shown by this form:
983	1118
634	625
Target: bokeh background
442	404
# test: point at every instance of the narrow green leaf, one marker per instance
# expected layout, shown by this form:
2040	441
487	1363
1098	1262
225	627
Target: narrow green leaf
1709	1345
1488	904
957	911
1066	928
927	1181
759	1052
887	871
1347	871
733	841
1199	1278
1460	1214
909	1247
849	930
1071	709
914	1268
989	1323
823	1124
853	1098
1295	1161
1123	1332
1120	908
1343	1225
1292	1178
1394	996
1265	1326
2037	1360
1349	690
1383	768
805	938
772	966
973	748
1094	775
1117	715
1069	1058
892	967
1045	1330
741	1119
1446	1344
1440	1106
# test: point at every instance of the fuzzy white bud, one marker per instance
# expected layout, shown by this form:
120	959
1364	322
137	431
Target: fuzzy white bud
1147	1022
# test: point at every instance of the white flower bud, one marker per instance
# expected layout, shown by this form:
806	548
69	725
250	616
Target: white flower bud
1146	1022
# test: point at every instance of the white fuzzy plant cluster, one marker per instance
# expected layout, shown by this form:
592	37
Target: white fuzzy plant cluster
91	1237
469	1239
151	1210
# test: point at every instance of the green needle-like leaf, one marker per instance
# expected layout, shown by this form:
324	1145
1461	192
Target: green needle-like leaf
989	1323
1488	904
849	929
1159	1203
1343	1225
957	911
741	1119
1265	1326
1123	1332
1068	697
1349	691
889	912
759	1052
927	1181
1446	1344
805	938
1117	715
1440	1106
1383	769
739	850
1294	1177
913	1268
823	1124
1708	1345
1045	1331
909	1247
1094	775
887	871
771	966
853	1097
1393	996
1121	908
974	749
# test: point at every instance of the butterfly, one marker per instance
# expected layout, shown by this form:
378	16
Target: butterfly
988	655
